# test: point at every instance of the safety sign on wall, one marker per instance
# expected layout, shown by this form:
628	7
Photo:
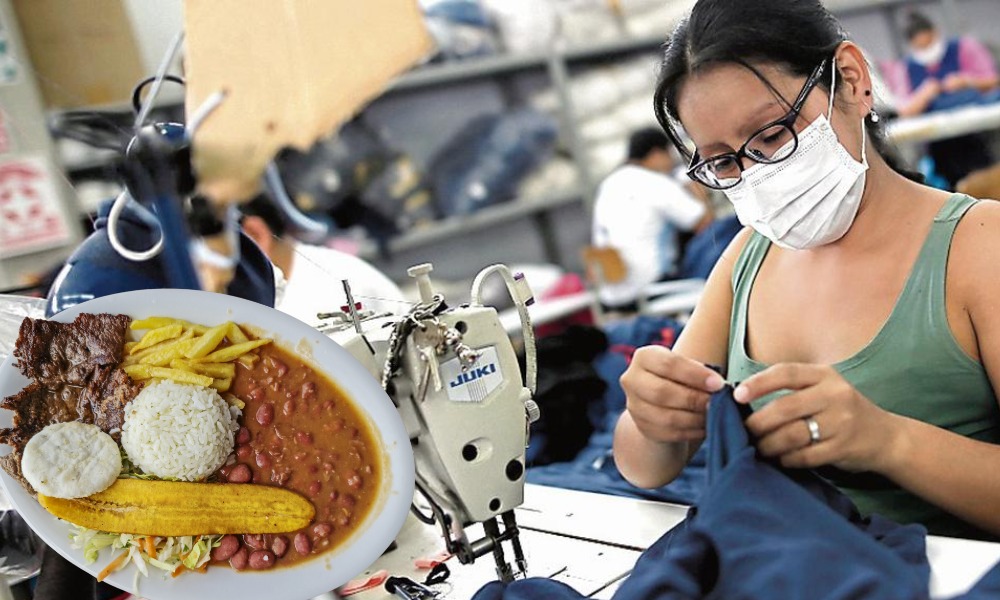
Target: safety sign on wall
30	218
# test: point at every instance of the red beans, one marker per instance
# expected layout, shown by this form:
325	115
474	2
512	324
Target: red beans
227	547
321	530
279	546
302	543
240	474
224	471
261	559
265	414
298	436
263	460
239	560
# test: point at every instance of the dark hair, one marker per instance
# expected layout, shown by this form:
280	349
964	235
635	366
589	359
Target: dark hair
917	23
261	206
644	141
794	35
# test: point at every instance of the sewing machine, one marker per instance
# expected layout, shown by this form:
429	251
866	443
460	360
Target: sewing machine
453	375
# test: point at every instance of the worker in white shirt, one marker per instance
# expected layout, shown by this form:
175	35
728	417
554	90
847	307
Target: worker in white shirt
639	210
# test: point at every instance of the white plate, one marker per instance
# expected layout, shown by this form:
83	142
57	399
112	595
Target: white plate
301	581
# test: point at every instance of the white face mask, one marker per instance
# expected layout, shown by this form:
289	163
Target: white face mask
931	55
811	198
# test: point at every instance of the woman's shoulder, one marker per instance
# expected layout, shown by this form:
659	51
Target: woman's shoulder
974	261
745	250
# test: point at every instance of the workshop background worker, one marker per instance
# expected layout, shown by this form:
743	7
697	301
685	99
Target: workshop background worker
310	277
858	309
639	210
945	73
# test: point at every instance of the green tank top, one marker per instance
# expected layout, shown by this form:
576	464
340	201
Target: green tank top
913	367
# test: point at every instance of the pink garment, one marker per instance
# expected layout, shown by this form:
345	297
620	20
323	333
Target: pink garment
973	57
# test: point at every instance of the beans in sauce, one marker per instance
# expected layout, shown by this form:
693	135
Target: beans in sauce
301	433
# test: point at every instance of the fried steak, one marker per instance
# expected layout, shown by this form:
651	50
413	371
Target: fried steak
76	377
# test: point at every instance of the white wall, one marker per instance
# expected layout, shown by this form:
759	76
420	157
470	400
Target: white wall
155	23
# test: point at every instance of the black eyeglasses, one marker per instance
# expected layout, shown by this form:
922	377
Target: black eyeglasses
771	144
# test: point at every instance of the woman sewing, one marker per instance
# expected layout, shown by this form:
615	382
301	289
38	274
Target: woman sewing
859	311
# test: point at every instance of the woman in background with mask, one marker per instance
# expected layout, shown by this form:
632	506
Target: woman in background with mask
943	74
859	311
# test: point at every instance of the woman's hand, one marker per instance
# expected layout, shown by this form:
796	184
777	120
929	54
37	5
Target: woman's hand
667	394
823	421
956	82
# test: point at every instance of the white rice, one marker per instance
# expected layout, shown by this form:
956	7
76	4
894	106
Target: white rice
179	430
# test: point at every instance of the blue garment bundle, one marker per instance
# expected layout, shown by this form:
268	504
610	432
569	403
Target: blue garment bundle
760	531
593	469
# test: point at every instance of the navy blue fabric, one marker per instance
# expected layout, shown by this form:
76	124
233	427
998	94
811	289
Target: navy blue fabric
763	532
704	249
593	469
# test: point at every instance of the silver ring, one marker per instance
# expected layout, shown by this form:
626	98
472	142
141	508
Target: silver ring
814	436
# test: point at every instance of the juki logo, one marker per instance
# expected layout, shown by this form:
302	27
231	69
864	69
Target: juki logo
474	374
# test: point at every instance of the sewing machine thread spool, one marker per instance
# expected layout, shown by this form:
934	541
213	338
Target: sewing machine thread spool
422	274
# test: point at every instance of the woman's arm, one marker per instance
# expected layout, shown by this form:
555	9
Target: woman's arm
958	474
921	98
977	65
667	391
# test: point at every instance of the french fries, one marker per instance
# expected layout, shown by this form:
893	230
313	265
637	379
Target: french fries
208	341
232	352
217	370
155	336
140	372
189	353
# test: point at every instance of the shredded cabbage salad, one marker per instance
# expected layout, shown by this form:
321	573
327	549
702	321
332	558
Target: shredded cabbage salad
170	554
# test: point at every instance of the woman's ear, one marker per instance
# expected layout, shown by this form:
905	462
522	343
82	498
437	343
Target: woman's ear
854	78
256	228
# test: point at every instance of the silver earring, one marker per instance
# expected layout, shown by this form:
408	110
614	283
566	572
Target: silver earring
874	115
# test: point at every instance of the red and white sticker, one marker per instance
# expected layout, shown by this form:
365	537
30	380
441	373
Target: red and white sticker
30	217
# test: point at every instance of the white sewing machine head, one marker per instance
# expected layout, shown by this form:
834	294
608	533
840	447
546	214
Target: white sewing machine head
454	376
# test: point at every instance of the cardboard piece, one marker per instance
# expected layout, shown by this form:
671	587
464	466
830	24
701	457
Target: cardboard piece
84	52
292	71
